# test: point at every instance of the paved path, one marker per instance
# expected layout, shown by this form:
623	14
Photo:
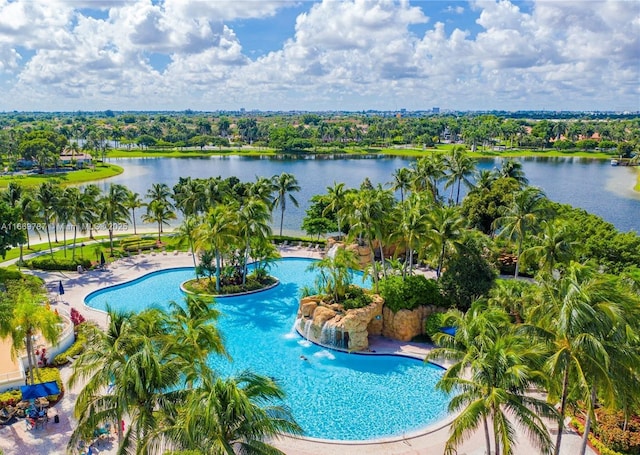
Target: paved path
17	440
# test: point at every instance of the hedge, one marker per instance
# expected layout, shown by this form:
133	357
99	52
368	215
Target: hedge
75	349
138	245
433	324
600	447
47	263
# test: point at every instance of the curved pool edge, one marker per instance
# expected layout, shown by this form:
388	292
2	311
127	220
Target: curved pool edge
237	294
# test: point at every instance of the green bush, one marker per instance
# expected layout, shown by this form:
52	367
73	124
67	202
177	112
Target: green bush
611	432
47	263
599	446
138	245
356	297
433	324
10	397
410	293
75	349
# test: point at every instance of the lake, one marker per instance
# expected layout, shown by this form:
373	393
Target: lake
594	185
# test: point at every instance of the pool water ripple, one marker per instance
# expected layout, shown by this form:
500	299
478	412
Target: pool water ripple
332	395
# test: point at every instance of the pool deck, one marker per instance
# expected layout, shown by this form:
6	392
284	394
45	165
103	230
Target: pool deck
15	439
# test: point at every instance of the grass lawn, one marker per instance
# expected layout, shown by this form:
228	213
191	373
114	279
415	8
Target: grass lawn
188	153
637	187
102	171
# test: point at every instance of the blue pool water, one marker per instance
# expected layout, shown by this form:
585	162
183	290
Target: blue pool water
332	395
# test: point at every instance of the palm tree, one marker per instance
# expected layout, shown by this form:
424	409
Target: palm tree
25	318
512	169
228	416
217	231
586	320
159	212
520	217
132	203
413	226
13	194
90	195
113	209
446	229
427	173
186	233
29	212
63	213
79	213
337	197
336	273
262	189
460	167
493	367
284	184
47	199
253	223
401	181
159	192
555	244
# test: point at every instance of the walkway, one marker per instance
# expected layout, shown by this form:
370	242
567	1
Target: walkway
17	440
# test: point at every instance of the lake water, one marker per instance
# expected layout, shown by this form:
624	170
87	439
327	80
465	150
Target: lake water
594	185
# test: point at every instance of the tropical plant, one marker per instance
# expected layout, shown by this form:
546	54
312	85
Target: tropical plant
217	230
283	185
113	209
522	216
445	231
335	274
493	366
132	203
46	195
159	212
460	167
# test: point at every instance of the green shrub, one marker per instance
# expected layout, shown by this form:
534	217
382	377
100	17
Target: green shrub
410	293
10	397
138	245
75	349
433	324
600	447
611	432
356	297
47	263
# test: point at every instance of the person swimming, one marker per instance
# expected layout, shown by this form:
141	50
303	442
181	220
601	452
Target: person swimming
303	358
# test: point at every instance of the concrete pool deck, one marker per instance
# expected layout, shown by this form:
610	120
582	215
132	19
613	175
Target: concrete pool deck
15	439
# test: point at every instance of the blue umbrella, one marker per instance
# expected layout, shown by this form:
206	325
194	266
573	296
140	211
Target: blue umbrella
60	288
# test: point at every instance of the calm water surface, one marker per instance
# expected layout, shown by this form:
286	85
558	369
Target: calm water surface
590	184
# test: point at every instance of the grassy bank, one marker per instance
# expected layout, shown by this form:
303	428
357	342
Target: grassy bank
408	152
637	187
101	171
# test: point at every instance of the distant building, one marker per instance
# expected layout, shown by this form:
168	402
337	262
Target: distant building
435	110
80	159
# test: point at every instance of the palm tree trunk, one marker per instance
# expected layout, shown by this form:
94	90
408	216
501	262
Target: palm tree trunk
563	410
384	268
75	234
64	240
587	422
29	357
245	267
217	271
49	239
281	219
21	259
487	438
159	231
458	193
133	217
518	258
440	262
111	239
372	257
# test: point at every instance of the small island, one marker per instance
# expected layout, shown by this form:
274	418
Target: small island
207	288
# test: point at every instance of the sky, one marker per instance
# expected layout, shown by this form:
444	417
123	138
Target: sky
352	55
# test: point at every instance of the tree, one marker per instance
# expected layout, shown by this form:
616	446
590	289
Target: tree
554	245
113	209
445	230
401	181
79	213
10	234
253	223
46	196
427	174
586	320
520	217
186	233
460	167
159	212
133	202
217	231
492	368
336	273
284	184
336	200
27	317
513	169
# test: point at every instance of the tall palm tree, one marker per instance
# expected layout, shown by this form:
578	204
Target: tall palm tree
493	367
133	202
413	226
445	230
159	212
284	184
29	212
460	167
427	173
186	233
216	232
63	213
113	209
337	196
47	198
585	318
13	194
159	192
262	189
401	181
521	217
512	169
24	319
79	213
90	195
253	223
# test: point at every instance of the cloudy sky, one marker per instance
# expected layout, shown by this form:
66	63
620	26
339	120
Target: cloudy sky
58	55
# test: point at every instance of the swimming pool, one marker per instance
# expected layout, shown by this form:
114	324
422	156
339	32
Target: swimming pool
332	395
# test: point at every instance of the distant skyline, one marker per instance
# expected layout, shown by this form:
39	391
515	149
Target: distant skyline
209	55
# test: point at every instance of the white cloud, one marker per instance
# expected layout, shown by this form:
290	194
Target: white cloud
354	54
